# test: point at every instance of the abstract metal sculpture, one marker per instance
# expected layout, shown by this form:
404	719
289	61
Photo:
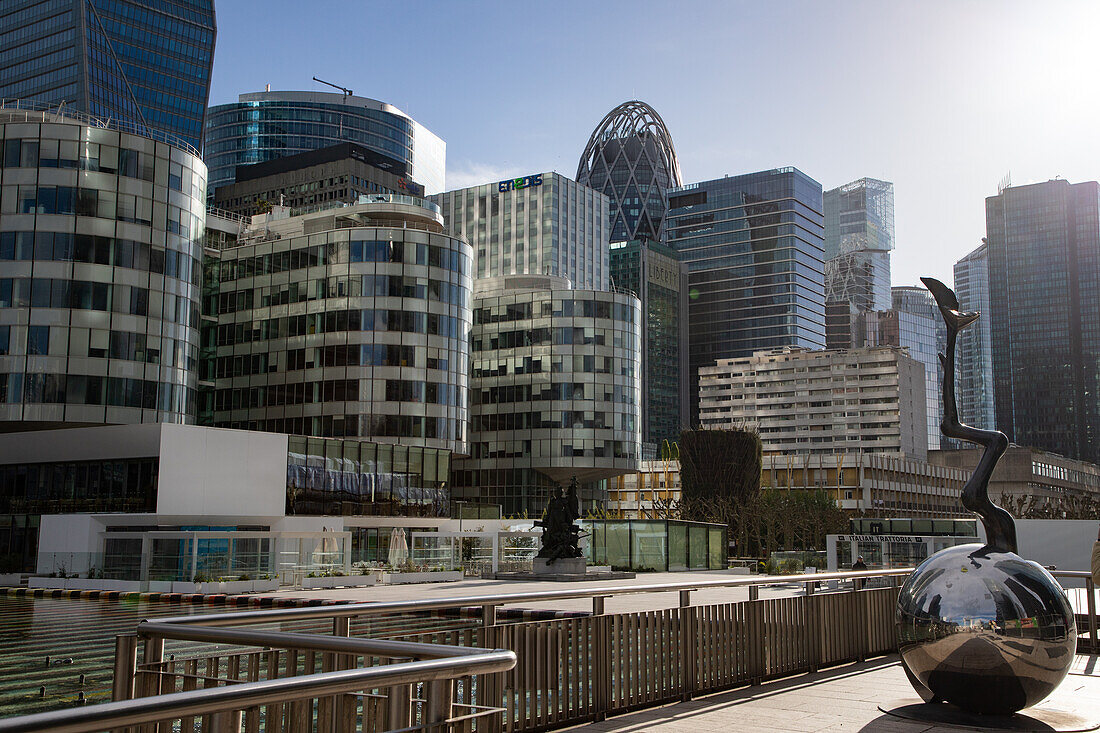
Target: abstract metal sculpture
560	535
979	626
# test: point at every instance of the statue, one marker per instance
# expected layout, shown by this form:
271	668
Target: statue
979	626
560	536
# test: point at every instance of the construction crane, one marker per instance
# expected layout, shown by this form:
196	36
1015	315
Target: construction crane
347	92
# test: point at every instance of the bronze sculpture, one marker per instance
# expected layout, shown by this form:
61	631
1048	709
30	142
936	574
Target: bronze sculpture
560	534
979	626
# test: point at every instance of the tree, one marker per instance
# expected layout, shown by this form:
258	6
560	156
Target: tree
723	463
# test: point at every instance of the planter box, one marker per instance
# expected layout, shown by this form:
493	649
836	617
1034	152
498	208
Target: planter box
47	583
265	586
444	576
160	586
102	584
338	581
11	580
228	587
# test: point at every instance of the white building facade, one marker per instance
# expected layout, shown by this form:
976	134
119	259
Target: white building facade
540	224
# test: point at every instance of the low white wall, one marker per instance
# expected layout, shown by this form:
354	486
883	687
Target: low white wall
1064	543
215	472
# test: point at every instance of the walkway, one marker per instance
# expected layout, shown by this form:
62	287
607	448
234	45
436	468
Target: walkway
617	604
841	699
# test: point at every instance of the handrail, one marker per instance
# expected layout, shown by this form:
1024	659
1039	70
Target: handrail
351	610
26	106
251	694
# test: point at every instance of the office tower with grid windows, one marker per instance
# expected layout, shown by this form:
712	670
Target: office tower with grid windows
975	360
142	64
540	224
921	329
754	249
658	277
1043	244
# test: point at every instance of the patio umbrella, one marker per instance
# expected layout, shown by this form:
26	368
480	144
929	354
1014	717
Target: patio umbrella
399	548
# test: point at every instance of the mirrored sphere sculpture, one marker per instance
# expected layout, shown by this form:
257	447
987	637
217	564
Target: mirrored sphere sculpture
979	626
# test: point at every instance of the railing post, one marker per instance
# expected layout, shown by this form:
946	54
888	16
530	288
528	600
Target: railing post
399	706
754	593
688	643
1090	589
440	695
227	721
601	662
122	687
152	654
597	605
341	626
489	615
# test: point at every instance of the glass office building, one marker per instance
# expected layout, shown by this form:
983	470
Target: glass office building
975	360
1044	291
555	392
263	126
141	63
630	157
541	224
859	235
101	237
754	248
657	276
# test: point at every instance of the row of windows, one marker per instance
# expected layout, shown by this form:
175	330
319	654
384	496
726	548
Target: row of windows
327	356
547	420
98	203
81	389
100	344
42	292
564	391
588	363
355	286
66	247
362	426
88	486
335	390
577	448
335	253
339	322
555	336
85	156
587	308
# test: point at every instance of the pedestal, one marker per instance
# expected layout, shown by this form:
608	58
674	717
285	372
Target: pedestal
561	566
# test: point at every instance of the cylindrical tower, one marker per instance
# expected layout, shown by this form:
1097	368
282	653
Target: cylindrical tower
100	266
348	322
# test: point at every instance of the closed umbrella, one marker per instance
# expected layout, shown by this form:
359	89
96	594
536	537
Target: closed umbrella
399	548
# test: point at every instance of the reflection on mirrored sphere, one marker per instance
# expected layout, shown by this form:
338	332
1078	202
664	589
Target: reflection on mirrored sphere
985	630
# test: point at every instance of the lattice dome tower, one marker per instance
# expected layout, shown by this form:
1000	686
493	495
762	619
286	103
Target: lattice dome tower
630	158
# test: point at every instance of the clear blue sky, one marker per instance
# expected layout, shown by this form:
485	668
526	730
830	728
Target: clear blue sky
942	97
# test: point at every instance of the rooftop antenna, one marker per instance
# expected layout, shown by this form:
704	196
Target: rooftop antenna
347	93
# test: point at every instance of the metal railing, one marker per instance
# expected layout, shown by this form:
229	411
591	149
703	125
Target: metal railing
521	676
26	110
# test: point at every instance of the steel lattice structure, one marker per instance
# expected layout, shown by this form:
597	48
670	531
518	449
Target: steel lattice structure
631	159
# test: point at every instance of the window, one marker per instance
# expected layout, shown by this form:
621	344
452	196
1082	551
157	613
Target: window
38	340
5	339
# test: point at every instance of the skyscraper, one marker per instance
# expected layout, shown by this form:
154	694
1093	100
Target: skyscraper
541	224
263	126
754	248
922	331
975	360
146	64
659	278
1044	291
630	158
859	235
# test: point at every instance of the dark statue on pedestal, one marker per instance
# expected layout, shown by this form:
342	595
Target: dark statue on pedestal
560	534
979	626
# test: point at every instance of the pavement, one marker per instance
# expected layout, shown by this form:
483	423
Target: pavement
626	603
845	698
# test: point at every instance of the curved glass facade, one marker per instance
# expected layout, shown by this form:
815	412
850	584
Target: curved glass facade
100	269
347	332
264	126
630	158
555	392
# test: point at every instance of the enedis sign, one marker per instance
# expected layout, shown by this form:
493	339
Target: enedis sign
514	184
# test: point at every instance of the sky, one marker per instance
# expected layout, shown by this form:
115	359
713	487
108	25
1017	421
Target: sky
945	98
